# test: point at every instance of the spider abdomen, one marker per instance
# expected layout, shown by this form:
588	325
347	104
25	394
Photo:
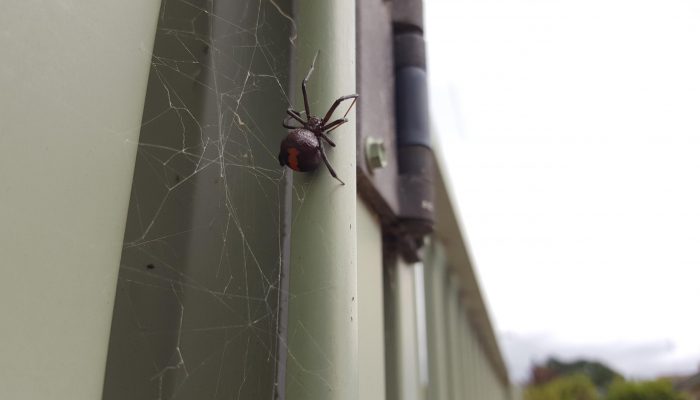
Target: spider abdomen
300	151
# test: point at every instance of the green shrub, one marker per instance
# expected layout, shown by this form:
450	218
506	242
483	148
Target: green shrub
647	390
572	387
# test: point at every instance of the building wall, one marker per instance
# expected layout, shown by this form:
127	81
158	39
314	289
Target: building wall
459	366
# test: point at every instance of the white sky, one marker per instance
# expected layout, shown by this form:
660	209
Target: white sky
572	133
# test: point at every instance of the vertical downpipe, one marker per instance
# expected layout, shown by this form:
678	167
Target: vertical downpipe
322	328
70	115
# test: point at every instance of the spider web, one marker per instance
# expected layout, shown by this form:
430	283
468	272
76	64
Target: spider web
202	282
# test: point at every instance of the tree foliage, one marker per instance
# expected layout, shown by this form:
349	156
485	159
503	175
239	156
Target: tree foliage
599	373
571	387
591	380
648	390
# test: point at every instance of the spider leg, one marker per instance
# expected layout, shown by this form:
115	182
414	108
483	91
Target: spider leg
303	88
334	124
303	85
336	104
306	97
328	164
295	115
328	131
327	139
288	126
350	108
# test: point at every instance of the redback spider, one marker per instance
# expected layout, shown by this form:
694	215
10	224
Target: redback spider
302	149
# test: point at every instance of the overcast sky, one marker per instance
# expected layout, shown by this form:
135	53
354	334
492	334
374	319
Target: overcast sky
572	133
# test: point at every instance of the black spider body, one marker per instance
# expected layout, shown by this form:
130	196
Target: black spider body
302	150
299	151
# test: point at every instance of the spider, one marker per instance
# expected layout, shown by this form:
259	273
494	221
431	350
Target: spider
302	149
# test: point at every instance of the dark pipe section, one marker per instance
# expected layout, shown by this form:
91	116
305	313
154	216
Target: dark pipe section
415	154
